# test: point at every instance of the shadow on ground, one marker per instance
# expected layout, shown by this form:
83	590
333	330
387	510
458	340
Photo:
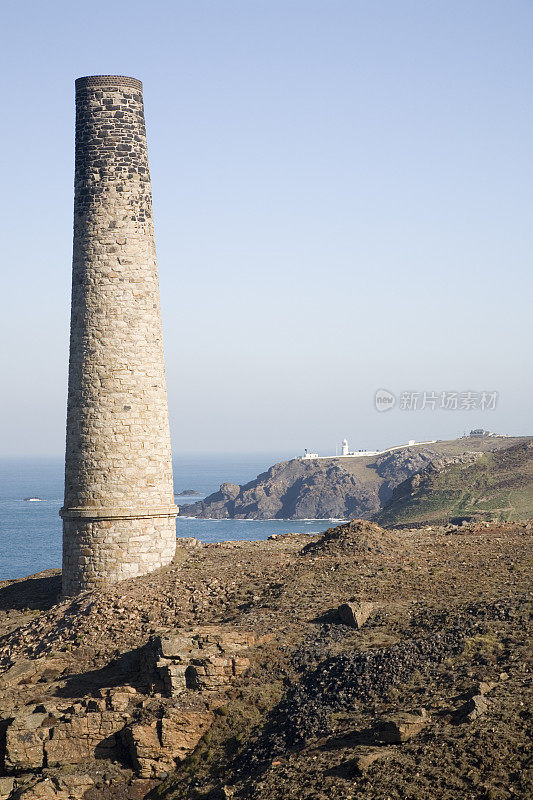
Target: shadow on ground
37	593
126	669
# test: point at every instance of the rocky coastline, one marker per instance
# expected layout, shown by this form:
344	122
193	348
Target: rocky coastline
334	488
304	489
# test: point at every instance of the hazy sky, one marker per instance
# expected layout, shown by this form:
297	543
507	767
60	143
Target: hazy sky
343	202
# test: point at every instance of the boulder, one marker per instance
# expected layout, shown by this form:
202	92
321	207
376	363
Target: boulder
355	614
474	707
401	727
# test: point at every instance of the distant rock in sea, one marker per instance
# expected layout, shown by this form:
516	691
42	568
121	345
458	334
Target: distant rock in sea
34	500
188	493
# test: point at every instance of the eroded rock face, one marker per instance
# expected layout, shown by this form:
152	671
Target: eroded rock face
91	735
155	747
33	740
152	745
292	489
230	490
24	743
121	725
202	660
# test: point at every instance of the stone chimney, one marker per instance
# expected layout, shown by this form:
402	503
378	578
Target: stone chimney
119	513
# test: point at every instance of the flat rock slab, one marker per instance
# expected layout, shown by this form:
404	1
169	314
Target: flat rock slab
401	727
363	761
29	671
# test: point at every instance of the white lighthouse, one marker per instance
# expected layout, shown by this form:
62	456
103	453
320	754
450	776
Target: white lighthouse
344	448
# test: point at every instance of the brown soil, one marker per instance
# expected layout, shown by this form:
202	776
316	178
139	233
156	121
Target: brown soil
451	612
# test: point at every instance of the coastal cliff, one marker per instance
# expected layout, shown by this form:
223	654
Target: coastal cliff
332	488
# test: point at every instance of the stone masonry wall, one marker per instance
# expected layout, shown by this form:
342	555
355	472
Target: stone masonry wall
119	512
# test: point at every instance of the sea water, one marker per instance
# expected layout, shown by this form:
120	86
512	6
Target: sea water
30	532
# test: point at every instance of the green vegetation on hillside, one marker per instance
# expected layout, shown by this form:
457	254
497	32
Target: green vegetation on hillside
498	486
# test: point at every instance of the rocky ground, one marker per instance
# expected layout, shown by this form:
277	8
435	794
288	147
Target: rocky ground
363	663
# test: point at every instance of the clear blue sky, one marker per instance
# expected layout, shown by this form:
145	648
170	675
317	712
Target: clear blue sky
343	200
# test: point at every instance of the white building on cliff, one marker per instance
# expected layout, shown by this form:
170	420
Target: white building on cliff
346	453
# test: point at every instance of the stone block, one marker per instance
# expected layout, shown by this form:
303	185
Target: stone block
24	744
355	614
401	727
176	646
